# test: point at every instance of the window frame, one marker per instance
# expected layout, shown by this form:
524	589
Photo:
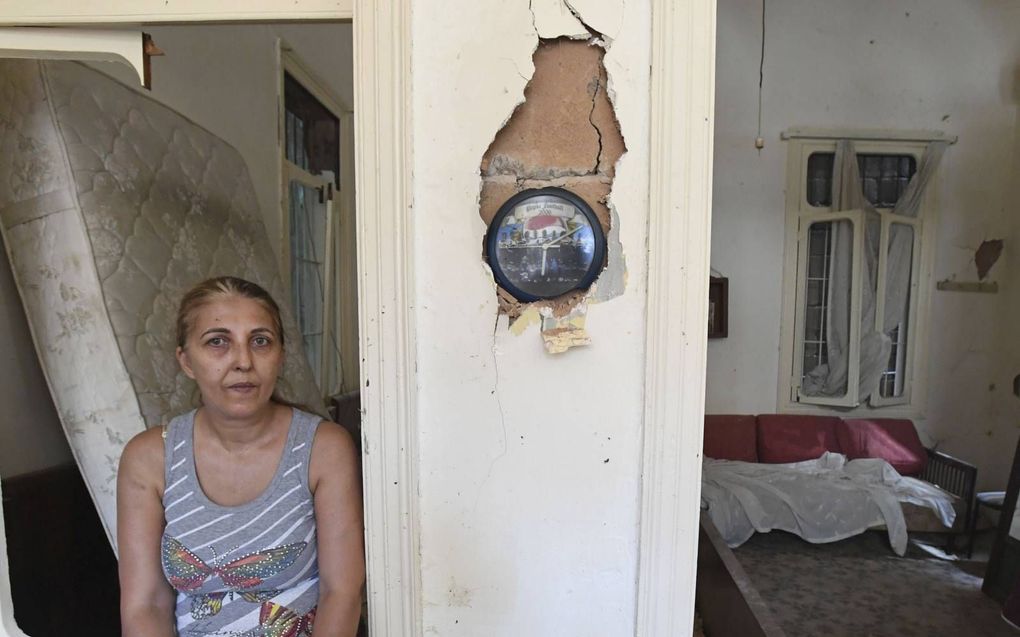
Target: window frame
339	211
804	222
801	144
888	220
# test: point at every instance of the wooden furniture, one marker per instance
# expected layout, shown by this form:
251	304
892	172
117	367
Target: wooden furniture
1004	562
63	571
959	478
729	604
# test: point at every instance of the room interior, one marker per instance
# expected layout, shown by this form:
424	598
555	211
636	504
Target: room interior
940	68
800	77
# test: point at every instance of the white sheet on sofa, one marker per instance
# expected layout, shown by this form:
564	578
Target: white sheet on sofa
821	500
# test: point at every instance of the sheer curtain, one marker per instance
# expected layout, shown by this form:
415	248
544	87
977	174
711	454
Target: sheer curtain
831	378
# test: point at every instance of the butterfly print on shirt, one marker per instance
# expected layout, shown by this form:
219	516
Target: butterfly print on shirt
279	621
203	606
186	571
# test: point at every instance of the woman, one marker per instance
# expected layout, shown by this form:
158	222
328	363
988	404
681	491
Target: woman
242	517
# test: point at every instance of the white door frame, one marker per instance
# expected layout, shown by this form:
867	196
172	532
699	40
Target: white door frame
683	63
679	237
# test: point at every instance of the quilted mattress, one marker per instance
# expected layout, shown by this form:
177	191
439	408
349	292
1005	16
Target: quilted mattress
111	206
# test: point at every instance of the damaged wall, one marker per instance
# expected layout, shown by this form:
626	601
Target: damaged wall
1007	271
564	134
529	484
890	65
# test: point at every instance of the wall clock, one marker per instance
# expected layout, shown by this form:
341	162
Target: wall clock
543	243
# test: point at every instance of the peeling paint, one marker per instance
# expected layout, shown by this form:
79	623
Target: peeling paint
552	19
986	256
486	464
565	133
604	18
560	333
530	316
613	280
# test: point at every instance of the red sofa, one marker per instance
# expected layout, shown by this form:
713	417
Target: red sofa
779	438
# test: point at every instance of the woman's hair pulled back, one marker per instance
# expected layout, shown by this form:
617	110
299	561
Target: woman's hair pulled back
219	287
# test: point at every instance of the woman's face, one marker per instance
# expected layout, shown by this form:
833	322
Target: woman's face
234	354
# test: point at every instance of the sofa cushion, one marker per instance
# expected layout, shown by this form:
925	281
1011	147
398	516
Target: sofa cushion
730	438
789	438
893	440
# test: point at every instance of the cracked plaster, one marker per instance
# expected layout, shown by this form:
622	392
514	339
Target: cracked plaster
564	133
986	256
553	19
495	429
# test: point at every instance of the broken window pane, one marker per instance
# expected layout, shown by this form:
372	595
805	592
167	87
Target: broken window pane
307	273
900	254
312	143
883	178
829	254
313	132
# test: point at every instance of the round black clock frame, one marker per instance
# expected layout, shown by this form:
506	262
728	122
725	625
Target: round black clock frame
539	250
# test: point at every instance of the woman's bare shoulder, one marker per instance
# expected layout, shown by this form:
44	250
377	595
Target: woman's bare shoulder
142	458
332	448
332	439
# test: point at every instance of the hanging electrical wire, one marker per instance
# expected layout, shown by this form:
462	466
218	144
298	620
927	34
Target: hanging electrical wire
759	141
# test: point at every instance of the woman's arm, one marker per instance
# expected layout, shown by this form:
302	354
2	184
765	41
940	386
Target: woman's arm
335	479
146	598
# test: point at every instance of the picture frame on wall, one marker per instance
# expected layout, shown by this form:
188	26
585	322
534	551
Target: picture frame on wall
718	306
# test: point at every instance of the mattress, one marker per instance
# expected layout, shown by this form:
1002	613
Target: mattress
111	206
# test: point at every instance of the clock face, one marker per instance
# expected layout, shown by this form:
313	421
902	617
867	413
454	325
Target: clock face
544	243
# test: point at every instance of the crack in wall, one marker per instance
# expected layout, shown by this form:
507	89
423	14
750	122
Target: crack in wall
531	10
598	132
499	406
577	16
564	133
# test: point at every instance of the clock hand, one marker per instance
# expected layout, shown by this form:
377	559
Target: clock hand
561	237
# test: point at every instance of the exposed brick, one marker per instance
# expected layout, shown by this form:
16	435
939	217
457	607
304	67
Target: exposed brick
553	132
494	193
564	134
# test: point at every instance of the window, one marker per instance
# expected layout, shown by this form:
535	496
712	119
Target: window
315	243
853	293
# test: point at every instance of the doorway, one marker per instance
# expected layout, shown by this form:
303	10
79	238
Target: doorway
230	79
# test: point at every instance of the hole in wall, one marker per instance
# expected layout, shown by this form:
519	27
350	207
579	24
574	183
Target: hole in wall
986	256
565	133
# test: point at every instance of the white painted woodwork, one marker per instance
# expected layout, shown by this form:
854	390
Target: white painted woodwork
100	45
679	229
21	12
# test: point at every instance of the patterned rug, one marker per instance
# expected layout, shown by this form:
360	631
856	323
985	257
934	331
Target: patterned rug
860	588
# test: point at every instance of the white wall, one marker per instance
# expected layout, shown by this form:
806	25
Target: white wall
30	434
529	462
1008	404
876	64
224	77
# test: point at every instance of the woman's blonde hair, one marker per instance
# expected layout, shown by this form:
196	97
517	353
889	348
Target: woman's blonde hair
219	287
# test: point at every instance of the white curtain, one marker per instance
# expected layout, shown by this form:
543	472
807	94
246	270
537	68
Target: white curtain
831	379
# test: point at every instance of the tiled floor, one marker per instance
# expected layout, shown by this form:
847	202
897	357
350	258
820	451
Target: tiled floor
860	588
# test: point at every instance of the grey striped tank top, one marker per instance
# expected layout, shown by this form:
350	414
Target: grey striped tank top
248	570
